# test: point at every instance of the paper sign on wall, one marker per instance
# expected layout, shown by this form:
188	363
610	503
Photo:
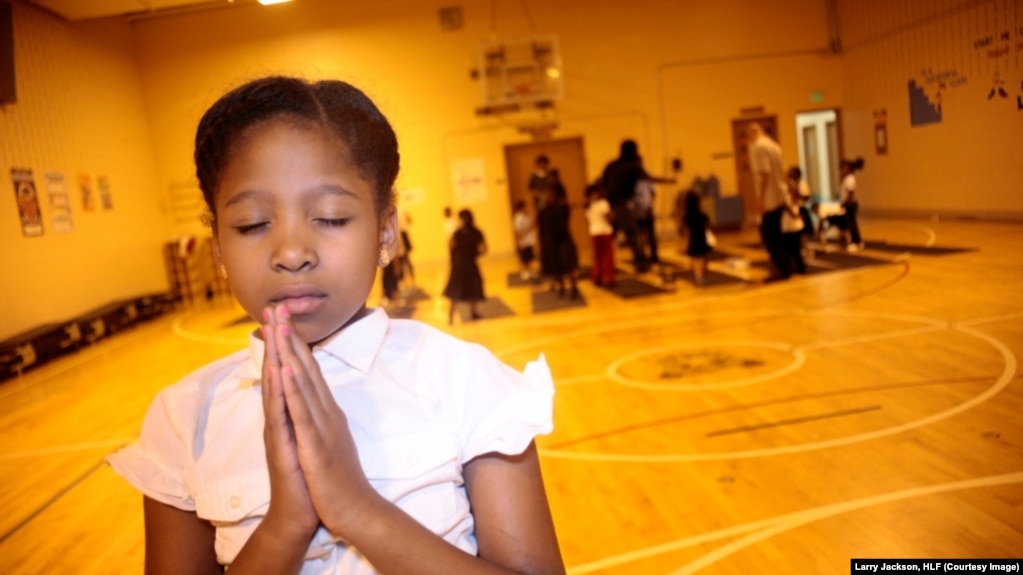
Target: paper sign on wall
469	178
104	192
60	205
28	203
85	187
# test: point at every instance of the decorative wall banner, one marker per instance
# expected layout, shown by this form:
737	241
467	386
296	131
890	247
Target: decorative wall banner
922	110
28	202
60	204
104	192
85	187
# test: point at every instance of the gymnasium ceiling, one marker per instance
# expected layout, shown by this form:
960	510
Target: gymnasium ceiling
86	9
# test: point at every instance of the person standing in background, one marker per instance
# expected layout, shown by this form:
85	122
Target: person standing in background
619	181
525	239
696	223
770	190
558	255
847	194
598	219
465	284
539	181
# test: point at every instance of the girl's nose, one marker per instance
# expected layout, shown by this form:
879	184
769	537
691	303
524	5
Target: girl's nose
293	252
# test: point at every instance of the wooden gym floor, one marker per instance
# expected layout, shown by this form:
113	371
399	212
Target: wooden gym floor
739	428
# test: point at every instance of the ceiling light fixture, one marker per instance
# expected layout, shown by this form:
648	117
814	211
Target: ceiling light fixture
269	2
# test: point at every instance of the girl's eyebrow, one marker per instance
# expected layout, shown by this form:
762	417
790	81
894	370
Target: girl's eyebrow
319	190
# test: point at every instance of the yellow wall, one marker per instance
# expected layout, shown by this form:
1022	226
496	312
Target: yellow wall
621	63
80	110
670	74
968	164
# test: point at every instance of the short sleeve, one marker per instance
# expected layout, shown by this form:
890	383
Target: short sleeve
504	409
156	463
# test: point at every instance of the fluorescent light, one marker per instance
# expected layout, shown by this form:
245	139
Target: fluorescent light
269	2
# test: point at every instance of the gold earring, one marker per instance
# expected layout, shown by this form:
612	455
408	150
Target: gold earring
385	258
223	271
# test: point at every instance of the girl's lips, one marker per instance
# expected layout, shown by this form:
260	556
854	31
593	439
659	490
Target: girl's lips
301	305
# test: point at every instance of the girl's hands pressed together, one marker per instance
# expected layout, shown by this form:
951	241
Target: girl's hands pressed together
326	451
290	505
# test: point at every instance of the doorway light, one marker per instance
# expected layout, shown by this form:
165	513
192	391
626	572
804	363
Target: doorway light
269	2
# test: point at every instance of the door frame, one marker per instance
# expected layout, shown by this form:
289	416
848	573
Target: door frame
829	149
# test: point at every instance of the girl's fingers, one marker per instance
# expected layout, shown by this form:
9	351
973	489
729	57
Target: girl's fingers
308	379
298	348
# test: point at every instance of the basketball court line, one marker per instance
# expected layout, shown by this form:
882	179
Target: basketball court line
31	516
752	406
793	421
119	442
758	531
1001	382
657	312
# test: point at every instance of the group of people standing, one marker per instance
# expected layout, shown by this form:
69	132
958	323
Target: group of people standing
782	204
619	202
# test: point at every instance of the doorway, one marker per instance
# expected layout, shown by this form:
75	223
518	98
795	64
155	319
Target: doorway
743	174
819	142
567	156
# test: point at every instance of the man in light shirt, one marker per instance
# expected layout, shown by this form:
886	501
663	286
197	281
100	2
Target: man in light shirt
770	191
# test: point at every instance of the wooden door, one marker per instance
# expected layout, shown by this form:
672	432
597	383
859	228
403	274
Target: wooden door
567	156
744	176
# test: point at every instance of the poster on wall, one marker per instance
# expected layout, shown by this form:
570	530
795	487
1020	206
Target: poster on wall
104	192
60	204
28	202
85	187
881	131
468	176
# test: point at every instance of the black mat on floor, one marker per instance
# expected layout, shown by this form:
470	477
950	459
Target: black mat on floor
710	279
551	301
886	247
830	262
515	280
492	308
629	288
585	273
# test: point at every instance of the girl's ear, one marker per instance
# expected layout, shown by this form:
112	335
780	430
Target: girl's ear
218	257
389	231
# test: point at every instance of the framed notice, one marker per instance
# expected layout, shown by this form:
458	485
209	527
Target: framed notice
28	203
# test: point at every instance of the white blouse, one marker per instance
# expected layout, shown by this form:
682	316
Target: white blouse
420	404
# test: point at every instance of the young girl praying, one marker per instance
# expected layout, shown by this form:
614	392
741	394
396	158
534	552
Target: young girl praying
340	441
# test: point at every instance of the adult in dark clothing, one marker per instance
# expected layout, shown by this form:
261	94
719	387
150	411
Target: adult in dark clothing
559	257
619	180
540	181
465	282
